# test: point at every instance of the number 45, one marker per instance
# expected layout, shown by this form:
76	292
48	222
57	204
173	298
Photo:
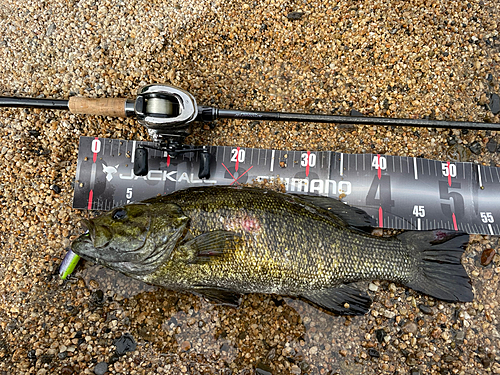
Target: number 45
419	211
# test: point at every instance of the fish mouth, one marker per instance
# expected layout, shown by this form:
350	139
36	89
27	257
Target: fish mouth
92	231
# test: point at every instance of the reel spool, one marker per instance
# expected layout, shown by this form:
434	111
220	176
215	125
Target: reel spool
167	112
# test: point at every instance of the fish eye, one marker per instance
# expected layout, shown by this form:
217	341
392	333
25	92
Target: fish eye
119	213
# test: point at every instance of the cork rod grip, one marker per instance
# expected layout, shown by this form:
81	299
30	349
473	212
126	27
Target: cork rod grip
114	107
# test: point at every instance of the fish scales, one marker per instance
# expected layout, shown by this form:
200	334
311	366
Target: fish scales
285	248
222	242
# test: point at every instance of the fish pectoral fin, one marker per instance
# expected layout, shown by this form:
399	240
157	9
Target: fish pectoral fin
350	216
219	296
342	300
206	246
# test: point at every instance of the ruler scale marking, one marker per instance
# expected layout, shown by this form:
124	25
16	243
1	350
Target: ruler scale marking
402	188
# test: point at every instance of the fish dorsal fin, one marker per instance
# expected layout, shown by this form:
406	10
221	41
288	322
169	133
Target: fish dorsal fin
351	216
342	300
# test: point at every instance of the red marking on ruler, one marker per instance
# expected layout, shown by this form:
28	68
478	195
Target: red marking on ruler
380	217
307	163
237	159
235	179
454	220
379	171
91	194
449	174
95	153
168	160
241	175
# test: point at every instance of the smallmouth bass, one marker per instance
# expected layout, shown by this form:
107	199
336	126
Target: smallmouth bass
221	242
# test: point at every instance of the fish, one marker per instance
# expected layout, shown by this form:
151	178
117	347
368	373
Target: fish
222	242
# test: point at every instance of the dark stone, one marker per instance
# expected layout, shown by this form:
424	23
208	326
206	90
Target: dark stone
263	369
66	370
242	335
34	133
114	358
46	358
294	16
62	355
173	320
224	347
373	353
415	371
56	189
492	145
494	104
355	113
489	77
449	358
380	335
425	309
452	141
97	297
475	147
78	335
32	354
125	343
101	368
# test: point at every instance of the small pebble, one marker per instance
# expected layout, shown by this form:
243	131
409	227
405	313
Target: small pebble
475	148
492	145
100	368
185	346
373	353
487	256
425	309
494	105
56	189
410	327
125	343
295	16
118	366
380	335
373	287
296	370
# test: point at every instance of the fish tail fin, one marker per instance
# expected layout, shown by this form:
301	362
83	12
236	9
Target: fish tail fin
439	272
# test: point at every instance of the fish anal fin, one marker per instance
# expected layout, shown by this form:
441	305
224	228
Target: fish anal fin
350	216
206	246
341	300
219	296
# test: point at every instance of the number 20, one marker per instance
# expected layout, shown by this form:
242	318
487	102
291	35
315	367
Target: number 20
238	155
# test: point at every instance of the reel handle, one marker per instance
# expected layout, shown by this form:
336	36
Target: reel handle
113	107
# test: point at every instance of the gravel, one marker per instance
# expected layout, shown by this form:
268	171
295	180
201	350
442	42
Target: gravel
376	58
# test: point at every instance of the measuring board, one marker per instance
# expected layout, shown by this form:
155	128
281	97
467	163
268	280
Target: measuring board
398	192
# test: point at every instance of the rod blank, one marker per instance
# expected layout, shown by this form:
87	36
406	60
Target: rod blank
355	120
7	101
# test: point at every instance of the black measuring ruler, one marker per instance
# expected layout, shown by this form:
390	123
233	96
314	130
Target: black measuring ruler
398	192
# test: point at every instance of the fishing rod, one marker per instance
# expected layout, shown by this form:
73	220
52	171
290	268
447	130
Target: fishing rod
168	112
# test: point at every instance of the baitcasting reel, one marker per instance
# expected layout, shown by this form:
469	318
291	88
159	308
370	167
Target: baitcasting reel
168	111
